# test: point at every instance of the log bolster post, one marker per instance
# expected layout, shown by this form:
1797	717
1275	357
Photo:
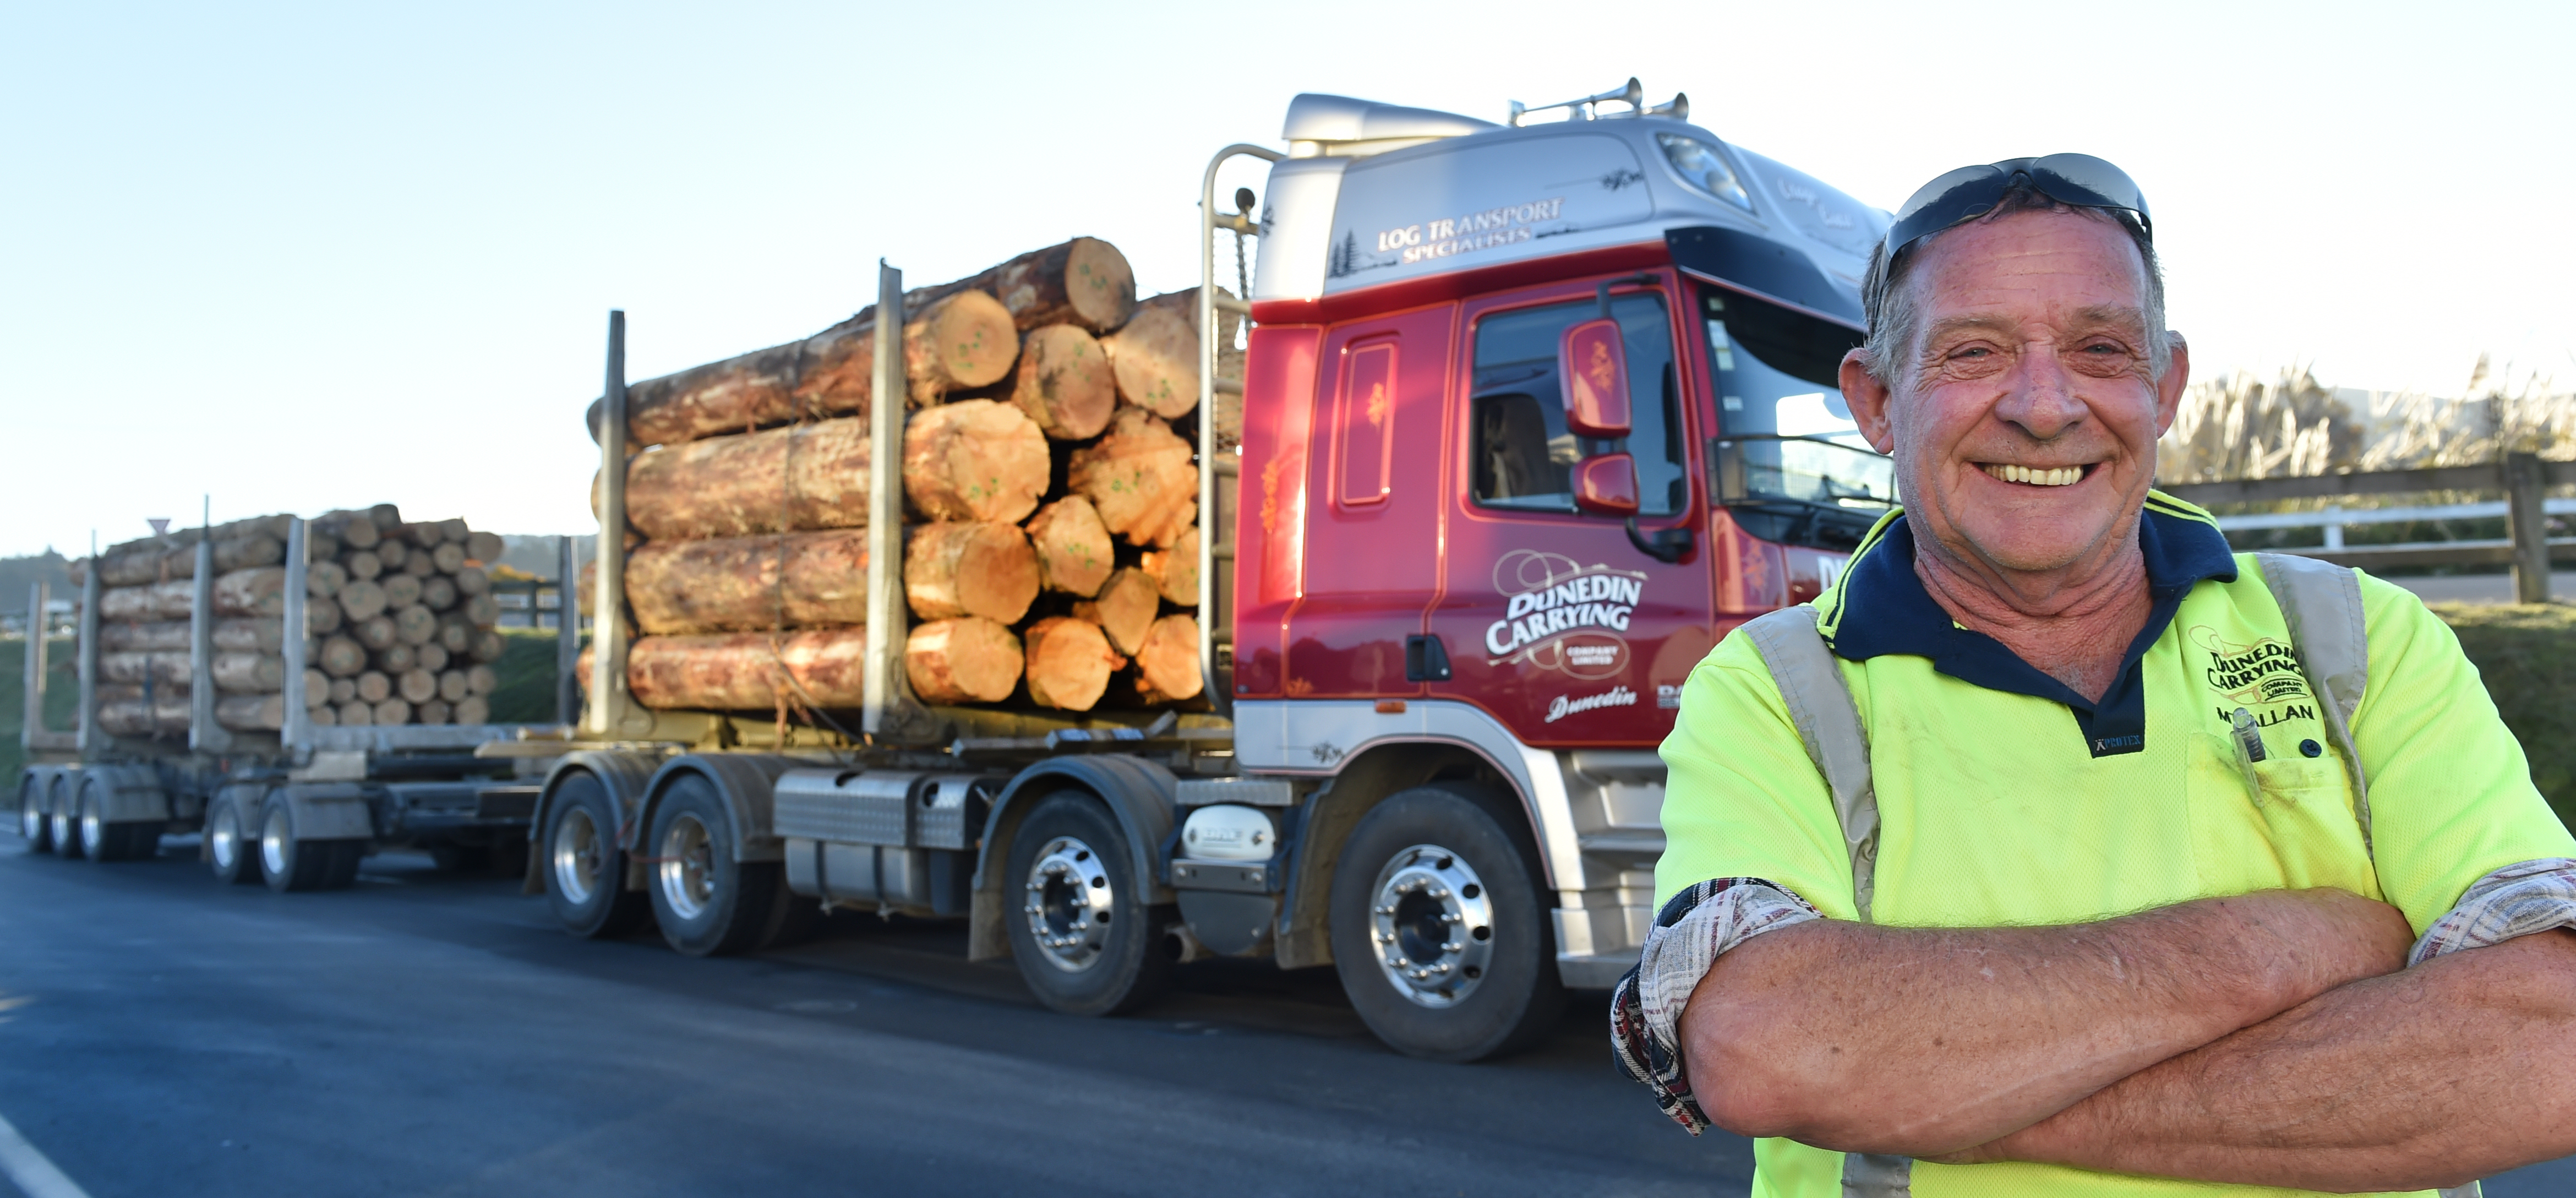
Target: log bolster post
87	736
296	731
888	710
609	701
204	734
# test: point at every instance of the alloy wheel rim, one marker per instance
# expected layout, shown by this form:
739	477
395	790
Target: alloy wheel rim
63	829
576	857
272	842
1069	904
688	867
223	841
1431	926
31	817
93	828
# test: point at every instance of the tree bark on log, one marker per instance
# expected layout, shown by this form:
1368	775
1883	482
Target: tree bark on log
355	530
250	636
157	636
1084	282
136	717
1065	383
244	553
1069	663
1156	361
732	584
807	477
136	669
159	601
249	673
967	659
260	591
969	569
1176	571
251	713
1125	609
1167	667
740	671
974	460
1073	549
961	340
1140	479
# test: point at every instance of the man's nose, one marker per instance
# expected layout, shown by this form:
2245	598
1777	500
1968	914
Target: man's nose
2042	399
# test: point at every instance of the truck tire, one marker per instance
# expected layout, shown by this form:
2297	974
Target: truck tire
289	864
708	904
65	823
1439	930
104	841
584	871
1083	937
33	822
231	849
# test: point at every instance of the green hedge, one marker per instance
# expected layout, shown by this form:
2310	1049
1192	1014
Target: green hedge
62	696
2527	654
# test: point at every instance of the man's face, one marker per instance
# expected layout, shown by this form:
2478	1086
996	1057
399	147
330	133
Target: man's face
2024	420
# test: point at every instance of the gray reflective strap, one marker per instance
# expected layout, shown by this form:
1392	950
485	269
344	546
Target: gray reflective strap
2322	602
1820	704
1828	722
1869	1175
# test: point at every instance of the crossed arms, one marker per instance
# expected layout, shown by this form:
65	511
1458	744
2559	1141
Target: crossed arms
2273	1039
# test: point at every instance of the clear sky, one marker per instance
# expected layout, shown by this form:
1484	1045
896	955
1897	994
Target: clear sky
303	257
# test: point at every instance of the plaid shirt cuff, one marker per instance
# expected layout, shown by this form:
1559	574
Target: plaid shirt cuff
2517	900
1690	933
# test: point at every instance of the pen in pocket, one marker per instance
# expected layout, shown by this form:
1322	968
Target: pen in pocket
2249	749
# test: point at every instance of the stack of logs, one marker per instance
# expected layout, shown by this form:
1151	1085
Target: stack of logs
398	625
1049	461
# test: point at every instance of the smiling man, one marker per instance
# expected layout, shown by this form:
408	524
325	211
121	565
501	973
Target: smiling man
2058	850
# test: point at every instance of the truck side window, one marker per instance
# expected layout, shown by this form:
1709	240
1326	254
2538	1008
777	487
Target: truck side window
1523	457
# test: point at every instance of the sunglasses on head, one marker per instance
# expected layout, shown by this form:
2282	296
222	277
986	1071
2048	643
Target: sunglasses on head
2080	180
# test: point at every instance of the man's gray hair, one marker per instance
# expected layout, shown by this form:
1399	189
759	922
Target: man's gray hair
1893	313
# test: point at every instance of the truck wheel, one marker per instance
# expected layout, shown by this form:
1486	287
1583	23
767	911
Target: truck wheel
707	903
65	824
290	864
585	873
230	849
1438	931
1083	938
104	841
33	823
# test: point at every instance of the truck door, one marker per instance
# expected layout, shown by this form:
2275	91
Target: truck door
1554	620
1373	510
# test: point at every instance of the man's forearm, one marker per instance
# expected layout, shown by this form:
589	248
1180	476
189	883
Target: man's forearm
1922	1041
2459	1068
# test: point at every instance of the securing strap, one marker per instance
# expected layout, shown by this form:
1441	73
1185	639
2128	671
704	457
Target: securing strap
1828	721
2331	636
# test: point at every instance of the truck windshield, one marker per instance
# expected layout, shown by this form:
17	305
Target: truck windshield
1788	457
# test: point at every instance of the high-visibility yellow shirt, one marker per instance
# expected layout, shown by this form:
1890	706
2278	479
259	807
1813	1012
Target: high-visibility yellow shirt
2005	798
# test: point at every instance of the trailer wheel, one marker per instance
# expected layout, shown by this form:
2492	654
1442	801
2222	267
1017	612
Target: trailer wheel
33	822
64	822
101	840
1439	933
707	903
230	848
290	864
1083	937
585	874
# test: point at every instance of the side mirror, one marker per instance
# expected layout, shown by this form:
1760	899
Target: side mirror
1606	485
1593	360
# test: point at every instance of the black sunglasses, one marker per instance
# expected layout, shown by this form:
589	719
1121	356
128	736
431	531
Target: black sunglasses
1969	192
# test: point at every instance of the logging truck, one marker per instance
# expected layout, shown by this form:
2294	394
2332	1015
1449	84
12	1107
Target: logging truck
295	756
1513	422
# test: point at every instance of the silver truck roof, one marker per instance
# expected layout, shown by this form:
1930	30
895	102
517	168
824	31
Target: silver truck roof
1375	193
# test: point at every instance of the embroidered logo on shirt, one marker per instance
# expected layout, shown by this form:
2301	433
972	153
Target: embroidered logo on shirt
2266	671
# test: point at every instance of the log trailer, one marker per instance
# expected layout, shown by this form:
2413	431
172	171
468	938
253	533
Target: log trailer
296	808
1533	413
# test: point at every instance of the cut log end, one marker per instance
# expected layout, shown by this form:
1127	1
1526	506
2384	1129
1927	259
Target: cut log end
968	659
970	569
1069	663
962	340
1065	383
1073	549
1167	667
1125	610
975	460
1140	478
1176	571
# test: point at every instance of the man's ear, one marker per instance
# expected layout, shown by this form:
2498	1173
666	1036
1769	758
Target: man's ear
1868	397
2169	389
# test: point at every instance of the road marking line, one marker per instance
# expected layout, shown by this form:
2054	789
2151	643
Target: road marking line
29	1168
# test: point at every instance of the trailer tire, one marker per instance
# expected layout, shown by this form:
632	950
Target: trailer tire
104	841
1087	969
232	851
708	904
289	864
583	870
1430	869
65	823
34	822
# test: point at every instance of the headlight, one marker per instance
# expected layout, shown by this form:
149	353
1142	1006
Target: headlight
1701	164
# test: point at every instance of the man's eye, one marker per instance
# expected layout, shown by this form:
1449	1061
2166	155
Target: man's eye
1973	351
2104	347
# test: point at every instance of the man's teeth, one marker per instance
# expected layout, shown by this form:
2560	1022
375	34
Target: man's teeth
2059	477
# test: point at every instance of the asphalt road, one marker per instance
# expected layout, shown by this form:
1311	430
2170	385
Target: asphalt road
427	1034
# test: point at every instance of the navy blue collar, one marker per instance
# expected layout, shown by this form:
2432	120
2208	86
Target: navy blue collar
1885	610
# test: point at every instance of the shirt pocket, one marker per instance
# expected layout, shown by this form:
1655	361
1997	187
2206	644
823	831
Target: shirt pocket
2292	824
